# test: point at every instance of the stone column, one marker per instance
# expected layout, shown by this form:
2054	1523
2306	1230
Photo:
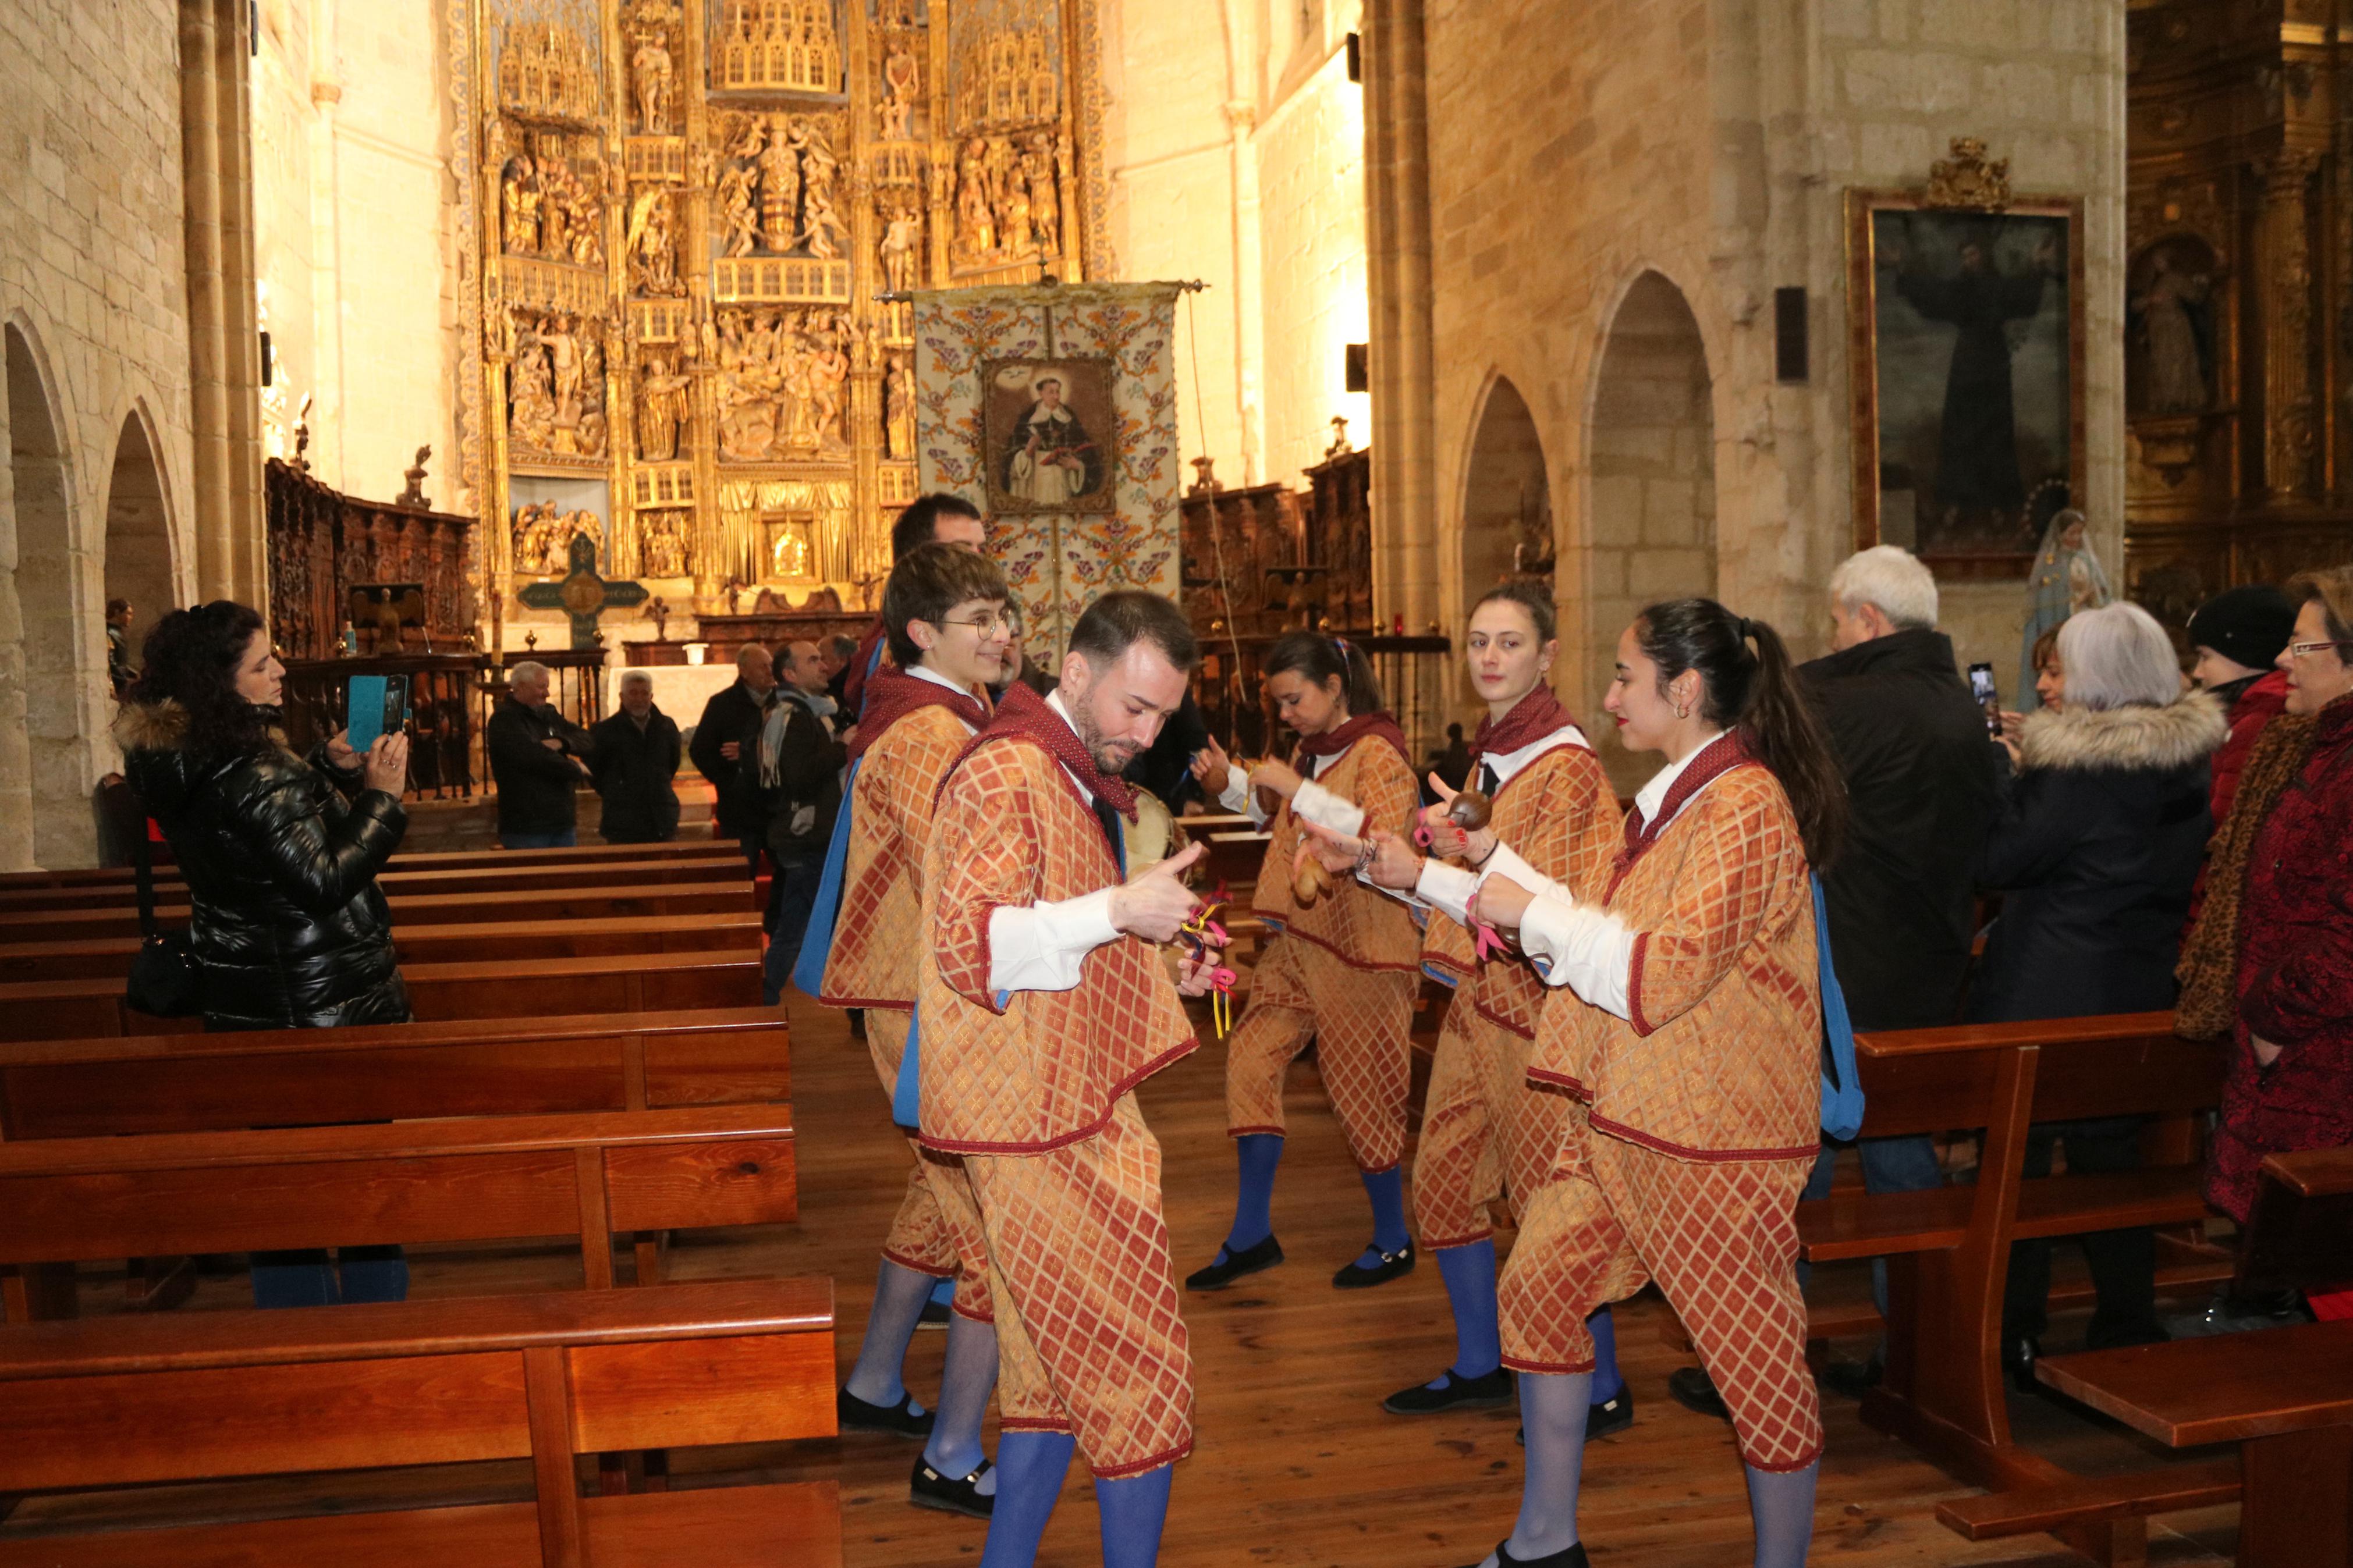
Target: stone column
2285	305
1396	206
1249	308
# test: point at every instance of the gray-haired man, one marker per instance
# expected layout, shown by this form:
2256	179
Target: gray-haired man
537	757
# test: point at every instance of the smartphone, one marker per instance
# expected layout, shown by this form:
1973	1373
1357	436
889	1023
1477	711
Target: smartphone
375	705
1981	688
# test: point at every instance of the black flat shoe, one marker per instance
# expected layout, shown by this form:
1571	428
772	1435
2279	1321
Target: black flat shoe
935	1315
929	1488
900	1420
1696	1392
1602	1417
1455	1392
1570	1557
1356	1277
1253	1259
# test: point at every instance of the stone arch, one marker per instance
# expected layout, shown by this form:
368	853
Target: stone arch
51	710
1650	504
1506	495
141	560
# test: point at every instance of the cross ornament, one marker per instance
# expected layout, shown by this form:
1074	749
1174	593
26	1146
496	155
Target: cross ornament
582	594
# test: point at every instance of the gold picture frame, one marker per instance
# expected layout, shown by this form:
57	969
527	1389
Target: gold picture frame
1941	341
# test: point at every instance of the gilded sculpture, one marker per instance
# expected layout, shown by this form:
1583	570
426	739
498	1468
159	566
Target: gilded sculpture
650	67
653	246
556	396
662	551
661	409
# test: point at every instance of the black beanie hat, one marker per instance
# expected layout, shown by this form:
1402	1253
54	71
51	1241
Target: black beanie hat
2245	625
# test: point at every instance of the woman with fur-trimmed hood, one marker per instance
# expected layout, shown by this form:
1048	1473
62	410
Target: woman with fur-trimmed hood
2095	856
287	925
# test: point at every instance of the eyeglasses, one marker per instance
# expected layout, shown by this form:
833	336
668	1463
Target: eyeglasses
987	629
2305	649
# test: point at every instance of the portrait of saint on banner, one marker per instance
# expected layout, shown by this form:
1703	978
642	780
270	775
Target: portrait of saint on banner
1050	435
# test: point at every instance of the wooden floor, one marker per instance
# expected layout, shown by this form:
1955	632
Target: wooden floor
1297	1467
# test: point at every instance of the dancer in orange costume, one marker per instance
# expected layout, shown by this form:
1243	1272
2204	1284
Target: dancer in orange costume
1688	1029
1043	1005
1342	969
946	611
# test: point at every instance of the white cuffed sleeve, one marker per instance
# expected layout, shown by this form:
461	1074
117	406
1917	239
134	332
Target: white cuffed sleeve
1042	947
1589	950
1447	889
1324	809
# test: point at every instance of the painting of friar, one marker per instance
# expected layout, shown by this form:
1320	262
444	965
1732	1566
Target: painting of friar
1047	425
1974	374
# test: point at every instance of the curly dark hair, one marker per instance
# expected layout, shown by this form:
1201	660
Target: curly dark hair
191	658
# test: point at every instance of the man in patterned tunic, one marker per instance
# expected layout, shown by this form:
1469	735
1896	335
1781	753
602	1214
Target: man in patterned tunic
1043	1003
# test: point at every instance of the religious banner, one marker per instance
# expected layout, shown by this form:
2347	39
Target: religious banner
1053	409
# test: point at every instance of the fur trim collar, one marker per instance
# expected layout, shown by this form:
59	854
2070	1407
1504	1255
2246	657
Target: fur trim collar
151	726
2183	732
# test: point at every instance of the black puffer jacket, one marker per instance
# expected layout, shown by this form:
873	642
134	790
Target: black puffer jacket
2094	856
286	924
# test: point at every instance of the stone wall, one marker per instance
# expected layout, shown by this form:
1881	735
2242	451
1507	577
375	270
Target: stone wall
94	293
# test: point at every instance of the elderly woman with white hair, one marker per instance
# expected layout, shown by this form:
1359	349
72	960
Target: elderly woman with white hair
2094	854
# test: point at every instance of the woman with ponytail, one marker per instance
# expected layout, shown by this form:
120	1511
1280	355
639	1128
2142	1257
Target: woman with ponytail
1686	1023
1344	964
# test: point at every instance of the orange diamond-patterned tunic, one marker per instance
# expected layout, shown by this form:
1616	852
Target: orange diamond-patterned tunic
1699	1121
1485	1129
1343	973
871	964
1034	1090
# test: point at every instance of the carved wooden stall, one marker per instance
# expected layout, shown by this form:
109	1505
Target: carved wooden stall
2239	305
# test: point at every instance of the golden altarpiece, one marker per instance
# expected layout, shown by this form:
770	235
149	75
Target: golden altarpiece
685	212
2239	296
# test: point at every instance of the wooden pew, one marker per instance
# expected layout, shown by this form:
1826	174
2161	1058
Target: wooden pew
517	986
492	878
718	850
2285	1395
527	941
1949	1251
489	1178
609	902
146	1398
276	1078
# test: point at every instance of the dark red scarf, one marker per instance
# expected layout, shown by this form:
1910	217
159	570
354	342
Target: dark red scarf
1532	718
893	694
1331	742
1715	759
1021	711
853	689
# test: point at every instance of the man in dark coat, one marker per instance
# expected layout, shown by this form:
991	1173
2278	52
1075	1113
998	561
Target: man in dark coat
636	758
539	759
800	762
726	749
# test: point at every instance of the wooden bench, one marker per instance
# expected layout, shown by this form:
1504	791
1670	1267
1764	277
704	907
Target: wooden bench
526	940
720	850
721	897
495	876
491	1178
515	986
198	1083
1949	1251
2288	1395
147	1399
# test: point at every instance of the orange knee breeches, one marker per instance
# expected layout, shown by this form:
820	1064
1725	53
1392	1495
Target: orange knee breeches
937	1231
1361	1021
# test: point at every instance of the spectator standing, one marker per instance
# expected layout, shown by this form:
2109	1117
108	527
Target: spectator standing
800	762
938	518
120	672
1166	769
726	749
634	756
285	924
838	651
2290	1080
2238	635
539	759
2094	854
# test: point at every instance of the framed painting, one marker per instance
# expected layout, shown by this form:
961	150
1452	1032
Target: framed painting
1050	435
1965	355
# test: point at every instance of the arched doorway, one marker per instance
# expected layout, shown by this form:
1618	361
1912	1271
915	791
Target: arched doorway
139	566
59	827
1652	502
1506	498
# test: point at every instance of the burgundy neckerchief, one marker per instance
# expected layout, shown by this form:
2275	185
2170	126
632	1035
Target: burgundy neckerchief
853	687
1021	711
1532	718
893	694
1718	757
1331	742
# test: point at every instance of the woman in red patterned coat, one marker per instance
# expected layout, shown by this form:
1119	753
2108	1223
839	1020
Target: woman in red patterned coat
2290	1083
1688	1029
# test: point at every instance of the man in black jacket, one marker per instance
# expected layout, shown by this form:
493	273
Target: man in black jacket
800	764
726	749
538	757
636	758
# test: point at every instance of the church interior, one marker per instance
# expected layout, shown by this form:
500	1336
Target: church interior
613	335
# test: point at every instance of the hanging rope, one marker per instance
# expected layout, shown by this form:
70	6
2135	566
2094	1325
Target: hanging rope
1217	537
